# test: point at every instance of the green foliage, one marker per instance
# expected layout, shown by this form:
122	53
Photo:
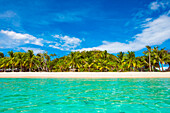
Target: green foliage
86	61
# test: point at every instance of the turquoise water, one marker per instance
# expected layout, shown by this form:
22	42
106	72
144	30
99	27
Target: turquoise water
85	95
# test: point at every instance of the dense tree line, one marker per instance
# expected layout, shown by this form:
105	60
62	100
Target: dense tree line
85	61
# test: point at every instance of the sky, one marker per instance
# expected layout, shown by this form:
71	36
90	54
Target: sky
62	26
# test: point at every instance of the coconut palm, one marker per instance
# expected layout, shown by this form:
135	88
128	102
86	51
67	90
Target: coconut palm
74	61
120	61
131	60
1	55
163	57
20	58
4	63
157	55
30	59
12	60
149	55
50	63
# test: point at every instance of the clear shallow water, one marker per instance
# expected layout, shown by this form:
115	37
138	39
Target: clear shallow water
85	95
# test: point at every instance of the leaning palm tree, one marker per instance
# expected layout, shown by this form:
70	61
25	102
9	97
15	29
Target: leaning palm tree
1	58
163	57
4	63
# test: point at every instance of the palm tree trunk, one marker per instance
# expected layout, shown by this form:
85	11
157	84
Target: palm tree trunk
29	69
21	68
153	68
117	69
150	62
89	69
162	67
12	68
5	69
38	69
134	69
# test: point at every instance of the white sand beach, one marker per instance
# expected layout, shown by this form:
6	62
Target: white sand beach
85	75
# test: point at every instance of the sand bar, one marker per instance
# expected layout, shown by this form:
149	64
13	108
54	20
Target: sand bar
85	75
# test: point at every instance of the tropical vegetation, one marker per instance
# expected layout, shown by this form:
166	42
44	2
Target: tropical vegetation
153	59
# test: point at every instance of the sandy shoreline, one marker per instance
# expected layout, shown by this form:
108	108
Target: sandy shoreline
85	75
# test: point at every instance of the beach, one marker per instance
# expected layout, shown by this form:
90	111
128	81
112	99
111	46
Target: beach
85	75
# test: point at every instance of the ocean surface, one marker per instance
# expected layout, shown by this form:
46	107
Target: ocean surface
85	95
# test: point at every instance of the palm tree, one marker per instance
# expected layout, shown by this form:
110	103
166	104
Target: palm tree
50	63
30	59
4	63
139	63
156	54
163	57
89	62
149	51
62	64
74	60
1	55
20	57
120	61
1	58
131	60
12	58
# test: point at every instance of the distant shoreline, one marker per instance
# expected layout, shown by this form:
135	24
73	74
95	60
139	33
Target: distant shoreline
85	75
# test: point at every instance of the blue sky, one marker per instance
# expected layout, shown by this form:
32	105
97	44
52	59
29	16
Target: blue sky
61	26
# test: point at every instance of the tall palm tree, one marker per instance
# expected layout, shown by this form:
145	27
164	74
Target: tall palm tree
30	59
156	59
12	59
149	51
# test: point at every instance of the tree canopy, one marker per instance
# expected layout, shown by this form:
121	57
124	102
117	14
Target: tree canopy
86	61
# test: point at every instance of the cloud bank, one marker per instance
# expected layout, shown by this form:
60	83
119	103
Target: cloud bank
11	39
154	33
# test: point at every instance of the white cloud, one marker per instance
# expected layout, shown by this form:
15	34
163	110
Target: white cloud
66	42
148	19
11	39
156	5
7	14
154	33
36	50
